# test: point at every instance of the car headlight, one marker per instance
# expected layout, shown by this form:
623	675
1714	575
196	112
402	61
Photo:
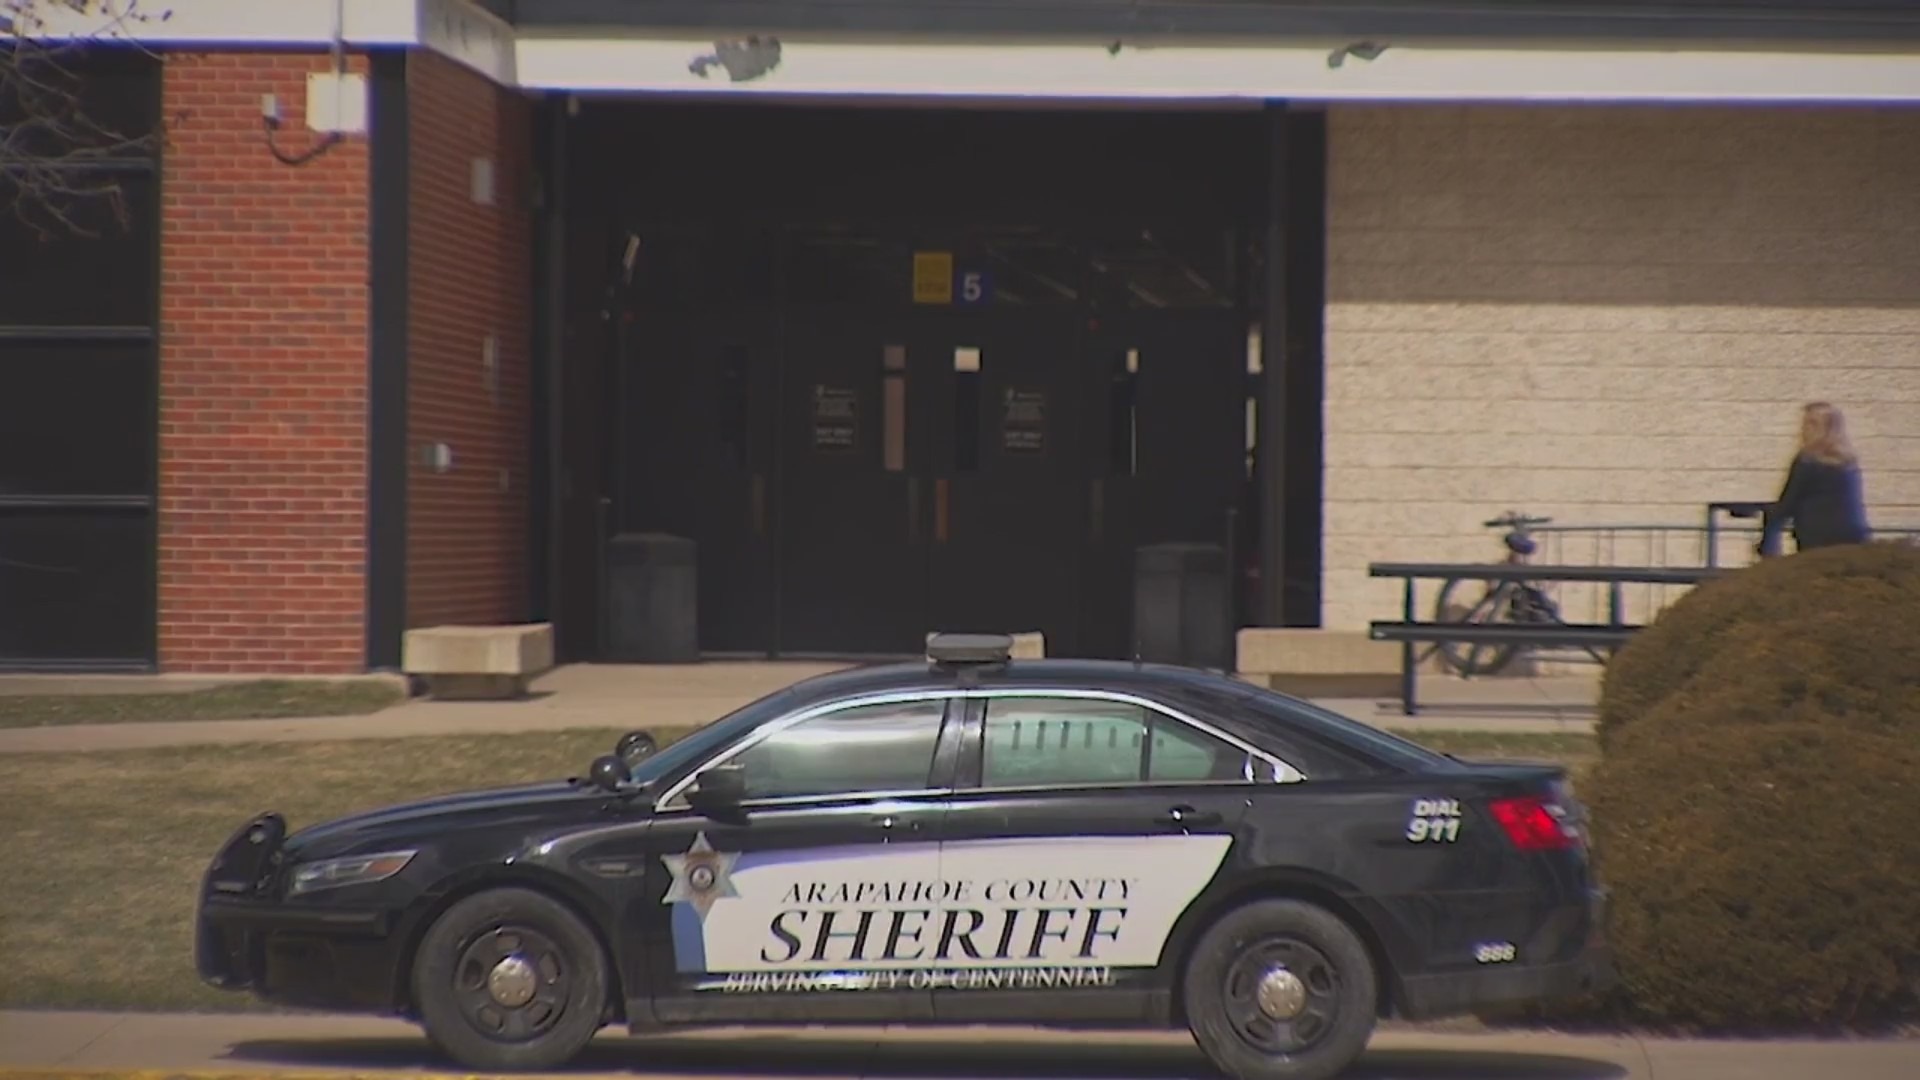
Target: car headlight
352	870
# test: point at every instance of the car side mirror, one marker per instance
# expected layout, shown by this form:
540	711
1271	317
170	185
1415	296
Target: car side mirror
718	790
635	747
609	773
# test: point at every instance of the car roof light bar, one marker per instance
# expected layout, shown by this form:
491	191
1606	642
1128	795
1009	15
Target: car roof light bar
969	650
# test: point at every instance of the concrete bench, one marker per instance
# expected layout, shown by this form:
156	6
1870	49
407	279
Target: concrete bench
1030	646
478	663
1317	663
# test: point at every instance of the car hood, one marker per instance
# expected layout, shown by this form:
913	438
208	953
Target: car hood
425	817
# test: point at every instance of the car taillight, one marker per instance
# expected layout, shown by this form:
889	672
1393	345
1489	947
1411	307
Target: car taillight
1535	824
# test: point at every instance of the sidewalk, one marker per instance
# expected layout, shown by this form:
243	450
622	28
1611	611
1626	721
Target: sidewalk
309	1044
1547	703
678	697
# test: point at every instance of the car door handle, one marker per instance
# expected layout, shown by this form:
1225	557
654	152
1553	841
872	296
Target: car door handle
890	822
1183	817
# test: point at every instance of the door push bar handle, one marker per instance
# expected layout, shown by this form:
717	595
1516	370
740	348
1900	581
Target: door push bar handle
1187	816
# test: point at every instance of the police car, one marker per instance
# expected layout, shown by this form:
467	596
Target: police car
969	840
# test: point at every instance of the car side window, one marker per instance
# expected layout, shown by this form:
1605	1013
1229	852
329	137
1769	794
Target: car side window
1183	753
1032	742
864	748
1039	741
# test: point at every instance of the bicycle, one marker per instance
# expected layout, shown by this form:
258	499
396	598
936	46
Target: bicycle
1517	602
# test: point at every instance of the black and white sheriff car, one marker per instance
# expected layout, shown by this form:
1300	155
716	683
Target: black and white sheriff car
970	840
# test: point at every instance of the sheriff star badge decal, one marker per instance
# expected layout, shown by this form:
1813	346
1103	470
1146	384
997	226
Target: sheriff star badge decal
700	876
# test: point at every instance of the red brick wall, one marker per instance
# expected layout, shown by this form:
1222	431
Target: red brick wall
471	275
263	379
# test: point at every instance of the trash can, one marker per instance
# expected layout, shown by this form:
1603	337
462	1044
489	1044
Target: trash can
1180	605
653	599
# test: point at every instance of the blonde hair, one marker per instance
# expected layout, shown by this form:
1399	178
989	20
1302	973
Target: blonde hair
1823	434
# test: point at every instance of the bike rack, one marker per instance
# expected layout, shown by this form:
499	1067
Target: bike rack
1410	632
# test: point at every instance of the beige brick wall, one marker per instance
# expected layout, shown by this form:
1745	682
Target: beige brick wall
1606	315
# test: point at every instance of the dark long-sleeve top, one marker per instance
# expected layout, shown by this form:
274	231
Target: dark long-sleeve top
1822	502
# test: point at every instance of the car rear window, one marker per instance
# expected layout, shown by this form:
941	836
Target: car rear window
1269	708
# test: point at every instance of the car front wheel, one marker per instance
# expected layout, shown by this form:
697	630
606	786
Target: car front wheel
510	980
1280	990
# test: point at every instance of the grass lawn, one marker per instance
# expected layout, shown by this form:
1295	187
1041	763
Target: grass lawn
105	850
1574	749
261	700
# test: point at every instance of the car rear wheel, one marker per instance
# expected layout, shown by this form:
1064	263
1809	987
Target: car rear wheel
510	980
1280	990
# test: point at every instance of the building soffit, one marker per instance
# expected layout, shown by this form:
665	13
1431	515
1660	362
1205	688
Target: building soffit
1168	50
1784	23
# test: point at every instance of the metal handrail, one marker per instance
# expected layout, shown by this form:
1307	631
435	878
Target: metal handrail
1599	575
1668	545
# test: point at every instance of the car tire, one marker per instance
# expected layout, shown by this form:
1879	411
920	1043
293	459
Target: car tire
510	980
1280	990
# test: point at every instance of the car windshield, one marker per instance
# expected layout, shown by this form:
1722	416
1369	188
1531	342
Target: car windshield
1266	705
708	740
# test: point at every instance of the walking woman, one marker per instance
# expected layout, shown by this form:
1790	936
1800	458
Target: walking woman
1822	498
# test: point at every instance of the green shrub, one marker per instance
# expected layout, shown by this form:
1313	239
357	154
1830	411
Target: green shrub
1756	803
1846	618
1763	878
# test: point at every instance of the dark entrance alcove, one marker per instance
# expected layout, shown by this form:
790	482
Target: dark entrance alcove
897	369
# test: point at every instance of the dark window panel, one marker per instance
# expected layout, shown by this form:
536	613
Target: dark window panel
95	270
76	585
1160	267
832	164
678	265
76	418
96	99
847	266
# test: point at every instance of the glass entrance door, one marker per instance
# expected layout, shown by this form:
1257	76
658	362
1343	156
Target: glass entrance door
855	505
1009	469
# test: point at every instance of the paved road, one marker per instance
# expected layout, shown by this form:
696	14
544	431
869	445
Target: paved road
309	1044
676	697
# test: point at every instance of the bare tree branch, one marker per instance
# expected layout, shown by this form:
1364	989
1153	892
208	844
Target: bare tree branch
58	158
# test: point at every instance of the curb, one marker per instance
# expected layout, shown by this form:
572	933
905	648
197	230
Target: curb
224	1074
34	684
303	731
